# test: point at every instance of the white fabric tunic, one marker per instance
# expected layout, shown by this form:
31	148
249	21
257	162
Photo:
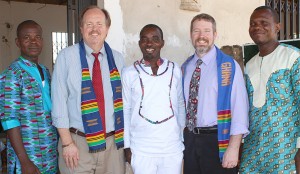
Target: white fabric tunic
142	136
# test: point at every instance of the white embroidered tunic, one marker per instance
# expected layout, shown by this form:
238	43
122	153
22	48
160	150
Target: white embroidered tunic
150	129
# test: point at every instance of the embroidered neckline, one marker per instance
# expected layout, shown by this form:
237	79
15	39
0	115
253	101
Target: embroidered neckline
146	63
143	92
139	63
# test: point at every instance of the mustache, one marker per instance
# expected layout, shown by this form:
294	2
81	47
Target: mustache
94	32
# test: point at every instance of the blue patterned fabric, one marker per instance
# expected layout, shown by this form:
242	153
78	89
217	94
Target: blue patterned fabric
21	104
271	145
34	72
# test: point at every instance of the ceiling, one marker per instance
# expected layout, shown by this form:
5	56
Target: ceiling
55	2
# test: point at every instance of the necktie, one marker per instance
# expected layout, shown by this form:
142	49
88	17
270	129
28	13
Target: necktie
98	87
193	97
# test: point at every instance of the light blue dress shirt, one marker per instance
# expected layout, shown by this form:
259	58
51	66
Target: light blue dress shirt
208	94
66	87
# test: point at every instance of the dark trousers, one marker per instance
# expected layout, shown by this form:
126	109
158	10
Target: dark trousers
201	154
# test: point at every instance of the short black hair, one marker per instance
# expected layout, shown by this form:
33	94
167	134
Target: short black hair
273	11
152	26
24	23
106	14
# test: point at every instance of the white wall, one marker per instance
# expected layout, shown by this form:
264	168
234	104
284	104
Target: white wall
128	17
5	48
232	17
52	18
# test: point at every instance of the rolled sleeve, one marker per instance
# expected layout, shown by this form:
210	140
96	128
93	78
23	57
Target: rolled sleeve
10	103
239	105
9	124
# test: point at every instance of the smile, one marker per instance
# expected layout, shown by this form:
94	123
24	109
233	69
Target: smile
33	48
202	42
150	50
258	33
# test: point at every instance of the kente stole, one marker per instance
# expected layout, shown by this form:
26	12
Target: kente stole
225	71
89	108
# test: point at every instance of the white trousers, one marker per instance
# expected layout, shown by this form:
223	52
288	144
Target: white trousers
157	165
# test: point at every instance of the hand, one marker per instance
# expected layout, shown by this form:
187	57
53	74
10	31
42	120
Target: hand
230	158
297	161
128	155
29	168
71	156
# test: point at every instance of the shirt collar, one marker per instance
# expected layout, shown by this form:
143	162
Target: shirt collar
146	63
207	58
89	50
27	62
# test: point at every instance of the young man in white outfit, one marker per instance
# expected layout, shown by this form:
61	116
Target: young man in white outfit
154	111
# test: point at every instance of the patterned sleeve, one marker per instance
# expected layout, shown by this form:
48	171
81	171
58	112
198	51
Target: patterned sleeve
295	80
249	91
10	99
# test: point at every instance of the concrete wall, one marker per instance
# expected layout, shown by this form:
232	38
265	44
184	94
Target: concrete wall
128	17
232	18
52	18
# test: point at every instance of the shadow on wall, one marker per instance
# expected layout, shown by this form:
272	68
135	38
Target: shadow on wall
236	52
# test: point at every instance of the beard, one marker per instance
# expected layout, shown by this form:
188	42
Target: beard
202	50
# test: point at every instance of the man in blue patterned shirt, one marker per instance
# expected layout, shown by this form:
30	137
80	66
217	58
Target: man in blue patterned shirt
25	107
272	78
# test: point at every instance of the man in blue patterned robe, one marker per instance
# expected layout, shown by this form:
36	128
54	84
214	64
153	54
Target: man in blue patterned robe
273	84
25	107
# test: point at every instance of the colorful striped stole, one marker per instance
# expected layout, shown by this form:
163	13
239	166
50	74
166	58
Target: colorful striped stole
226	71
89	108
